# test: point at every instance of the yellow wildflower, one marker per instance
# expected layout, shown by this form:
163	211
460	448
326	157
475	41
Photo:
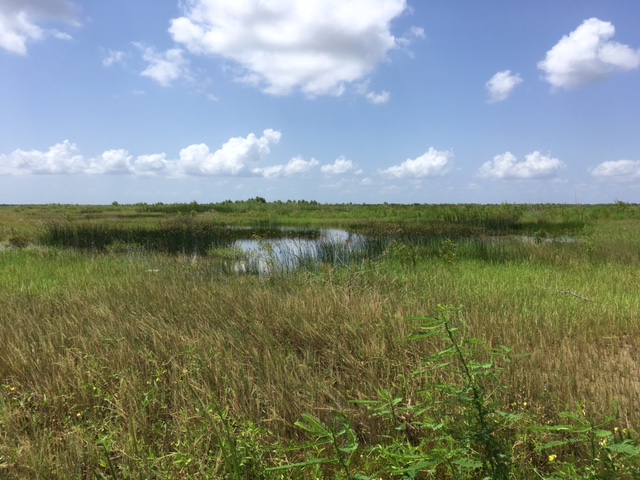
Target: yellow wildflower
552	458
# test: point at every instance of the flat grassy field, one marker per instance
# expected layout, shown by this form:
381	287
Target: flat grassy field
467	341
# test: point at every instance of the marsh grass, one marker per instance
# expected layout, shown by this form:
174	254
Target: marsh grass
181	234
133	363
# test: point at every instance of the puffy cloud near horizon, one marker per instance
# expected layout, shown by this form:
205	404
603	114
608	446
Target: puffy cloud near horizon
618	169
20	22
295	166
433	163
501	85
315	46
151	164
64	158
341	166
59	159
234	158
587	55
507	167
239	156
112	161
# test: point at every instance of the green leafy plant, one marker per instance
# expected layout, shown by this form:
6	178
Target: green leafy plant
591	450
457	426
338	437
448	251
456	429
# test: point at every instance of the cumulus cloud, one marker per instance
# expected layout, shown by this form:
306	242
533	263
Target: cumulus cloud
235	157
587	55
151	164
507	166
500	86
618	169
433	163
61	158
315	46
239	156
112	161
295	166
65	158
164	67
20	22
341	166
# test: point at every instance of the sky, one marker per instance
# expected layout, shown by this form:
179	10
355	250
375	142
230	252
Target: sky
337	101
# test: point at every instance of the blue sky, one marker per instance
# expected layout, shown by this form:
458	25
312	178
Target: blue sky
363	101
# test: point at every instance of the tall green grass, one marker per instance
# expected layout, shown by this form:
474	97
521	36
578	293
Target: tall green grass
174	235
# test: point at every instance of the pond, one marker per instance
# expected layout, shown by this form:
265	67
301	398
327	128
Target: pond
266	247
265	256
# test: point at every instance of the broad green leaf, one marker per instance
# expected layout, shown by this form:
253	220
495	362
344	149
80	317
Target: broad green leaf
312	425
349	448
419	335
625	447
554	444
508	416
467	463
359	476
447	352
552	428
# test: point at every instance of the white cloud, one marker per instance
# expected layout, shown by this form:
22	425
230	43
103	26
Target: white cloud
165	67
20	19
238	156
341	166
378	98
151	164
112	161
60	35
406	40
113	58
587	55
316	46
618	169
295	166
363	88
500	86
233	158
507	166
60	158
433	163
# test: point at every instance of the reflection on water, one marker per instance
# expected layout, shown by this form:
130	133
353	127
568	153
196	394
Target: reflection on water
265	256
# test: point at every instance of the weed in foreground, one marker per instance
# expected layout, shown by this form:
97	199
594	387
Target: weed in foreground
456	429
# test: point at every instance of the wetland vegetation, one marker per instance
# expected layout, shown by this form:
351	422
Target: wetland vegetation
427	341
